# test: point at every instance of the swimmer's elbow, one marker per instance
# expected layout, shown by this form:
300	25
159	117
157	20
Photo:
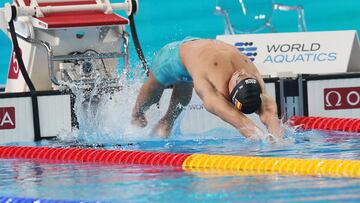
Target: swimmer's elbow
213	103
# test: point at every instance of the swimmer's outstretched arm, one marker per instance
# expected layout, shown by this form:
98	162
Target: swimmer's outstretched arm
217	104
268	116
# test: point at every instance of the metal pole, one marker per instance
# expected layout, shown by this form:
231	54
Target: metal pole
282	99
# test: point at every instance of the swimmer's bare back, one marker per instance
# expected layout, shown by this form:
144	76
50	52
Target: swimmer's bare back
215	61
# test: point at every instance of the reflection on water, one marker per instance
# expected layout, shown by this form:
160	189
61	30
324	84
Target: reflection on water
119	183
135	183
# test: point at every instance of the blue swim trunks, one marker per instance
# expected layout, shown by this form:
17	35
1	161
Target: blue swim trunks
167	67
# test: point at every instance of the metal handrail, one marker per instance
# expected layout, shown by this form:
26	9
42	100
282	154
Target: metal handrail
49	52
90	56
229	28
301	14
52	58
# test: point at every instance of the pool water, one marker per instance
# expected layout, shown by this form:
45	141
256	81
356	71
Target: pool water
110	129
136	183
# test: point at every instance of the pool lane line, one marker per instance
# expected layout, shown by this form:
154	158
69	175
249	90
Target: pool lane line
94	155
272	165
351	125
193	162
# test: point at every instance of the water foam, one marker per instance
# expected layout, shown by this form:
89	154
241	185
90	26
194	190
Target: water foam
107	118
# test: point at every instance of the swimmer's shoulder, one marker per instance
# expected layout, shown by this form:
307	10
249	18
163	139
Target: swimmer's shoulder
208	49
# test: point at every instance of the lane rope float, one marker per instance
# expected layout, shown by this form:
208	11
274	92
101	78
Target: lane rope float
192	162
326	123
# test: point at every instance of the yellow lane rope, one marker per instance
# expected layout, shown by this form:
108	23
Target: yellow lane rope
272	165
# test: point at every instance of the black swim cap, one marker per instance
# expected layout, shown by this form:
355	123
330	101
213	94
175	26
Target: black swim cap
246	95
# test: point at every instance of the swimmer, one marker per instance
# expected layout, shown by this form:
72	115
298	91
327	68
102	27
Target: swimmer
227	82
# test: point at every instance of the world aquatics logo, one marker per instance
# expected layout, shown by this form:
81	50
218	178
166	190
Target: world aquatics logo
248	49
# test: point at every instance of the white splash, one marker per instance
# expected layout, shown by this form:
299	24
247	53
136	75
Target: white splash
107	119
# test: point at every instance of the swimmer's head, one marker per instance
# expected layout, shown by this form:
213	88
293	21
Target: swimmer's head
245	92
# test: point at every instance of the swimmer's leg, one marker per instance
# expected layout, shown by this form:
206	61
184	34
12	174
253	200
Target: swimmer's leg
150	93
181	96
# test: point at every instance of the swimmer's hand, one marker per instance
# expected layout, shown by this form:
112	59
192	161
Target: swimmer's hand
275	128
274	139
269	116
162	129
266	137
139	120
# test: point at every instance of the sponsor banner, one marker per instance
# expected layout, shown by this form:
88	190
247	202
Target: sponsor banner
301	52
16	117
7	118
342	98
334	97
